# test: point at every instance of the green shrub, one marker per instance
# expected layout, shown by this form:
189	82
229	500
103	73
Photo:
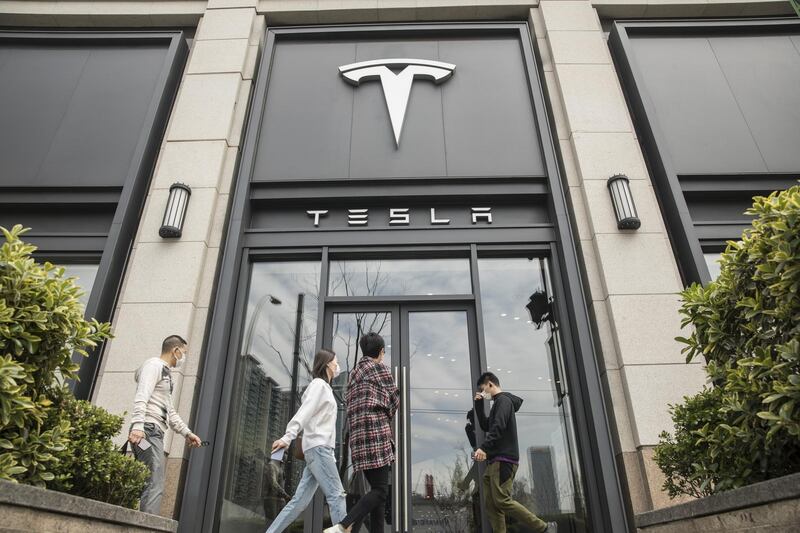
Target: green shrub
746	327
44	432
90	464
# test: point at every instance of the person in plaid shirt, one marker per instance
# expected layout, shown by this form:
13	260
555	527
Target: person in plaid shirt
372	399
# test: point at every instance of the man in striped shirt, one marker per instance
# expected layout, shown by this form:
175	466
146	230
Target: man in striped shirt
153	413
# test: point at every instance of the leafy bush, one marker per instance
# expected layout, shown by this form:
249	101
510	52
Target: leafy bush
44	431
90	465
26	448
746	428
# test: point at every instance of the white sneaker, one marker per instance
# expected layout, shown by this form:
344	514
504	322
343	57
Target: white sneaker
336	528
552	527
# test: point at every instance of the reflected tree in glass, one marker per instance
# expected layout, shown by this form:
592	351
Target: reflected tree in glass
397	277
85	274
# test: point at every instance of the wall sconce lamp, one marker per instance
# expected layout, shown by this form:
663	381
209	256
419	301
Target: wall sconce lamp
175	214
624	208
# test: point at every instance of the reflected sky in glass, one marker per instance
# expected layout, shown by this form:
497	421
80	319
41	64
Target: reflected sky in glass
440	385
270	323
519	354
399	277
85	274
712	263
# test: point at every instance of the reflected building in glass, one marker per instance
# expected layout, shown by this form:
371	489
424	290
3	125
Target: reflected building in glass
544	484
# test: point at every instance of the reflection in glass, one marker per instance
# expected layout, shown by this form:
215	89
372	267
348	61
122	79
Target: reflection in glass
523	349
347	330
443	491
85	274
712	262
397	277
274	368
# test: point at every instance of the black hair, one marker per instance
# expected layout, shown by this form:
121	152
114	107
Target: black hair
488	377
172	342
371	344
321	361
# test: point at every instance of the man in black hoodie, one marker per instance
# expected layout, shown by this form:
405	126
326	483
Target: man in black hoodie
501	449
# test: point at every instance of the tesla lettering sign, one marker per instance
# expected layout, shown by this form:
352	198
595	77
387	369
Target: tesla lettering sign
400	216
397	87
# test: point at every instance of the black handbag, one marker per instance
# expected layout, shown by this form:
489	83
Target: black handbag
130	450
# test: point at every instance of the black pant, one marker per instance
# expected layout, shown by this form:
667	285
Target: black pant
372	503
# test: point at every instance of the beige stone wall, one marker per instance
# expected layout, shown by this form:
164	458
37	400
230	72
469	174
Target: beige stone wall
143	13
88	14
168	285
632	275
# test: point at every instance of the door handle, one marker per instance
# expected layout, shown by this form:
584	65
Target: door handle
406	444
396	490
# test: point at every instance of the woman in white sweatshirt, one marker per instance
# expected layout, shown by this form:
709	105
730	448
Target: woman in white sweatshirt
316	418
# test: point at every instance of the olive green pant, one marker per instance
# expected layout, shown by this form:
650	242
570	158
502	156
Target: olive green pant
499	502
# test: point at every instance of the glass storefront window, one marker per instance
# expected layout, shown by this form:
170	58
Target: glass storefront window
274	368
400	277
523	350
85	274
712	262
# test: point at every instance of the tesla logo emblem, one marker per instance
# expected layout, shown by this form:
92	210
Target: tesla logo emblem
397	87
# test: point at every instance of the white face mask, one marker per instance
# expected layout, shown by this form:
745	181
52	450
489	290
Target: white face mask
486	395
336	371
180	362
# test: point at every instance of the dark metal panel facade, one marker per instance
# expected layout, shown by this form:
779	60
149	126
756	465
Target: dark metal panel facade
72	115
451	129
716	105
725	103
698	114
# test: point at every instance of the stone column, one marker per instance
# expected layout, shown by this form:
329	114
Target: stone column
632	276
168	284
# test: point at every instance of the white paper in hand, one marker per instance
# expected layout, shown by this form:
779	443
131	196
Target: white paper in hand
278	455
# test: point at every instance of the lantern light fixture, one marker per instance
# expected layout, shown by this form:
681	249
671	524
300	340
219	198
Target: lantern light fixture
622	199
175	213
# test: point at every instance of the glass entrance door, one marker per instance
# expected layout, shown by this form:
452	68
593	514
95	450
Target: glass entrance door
431	350
439	362
343	328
